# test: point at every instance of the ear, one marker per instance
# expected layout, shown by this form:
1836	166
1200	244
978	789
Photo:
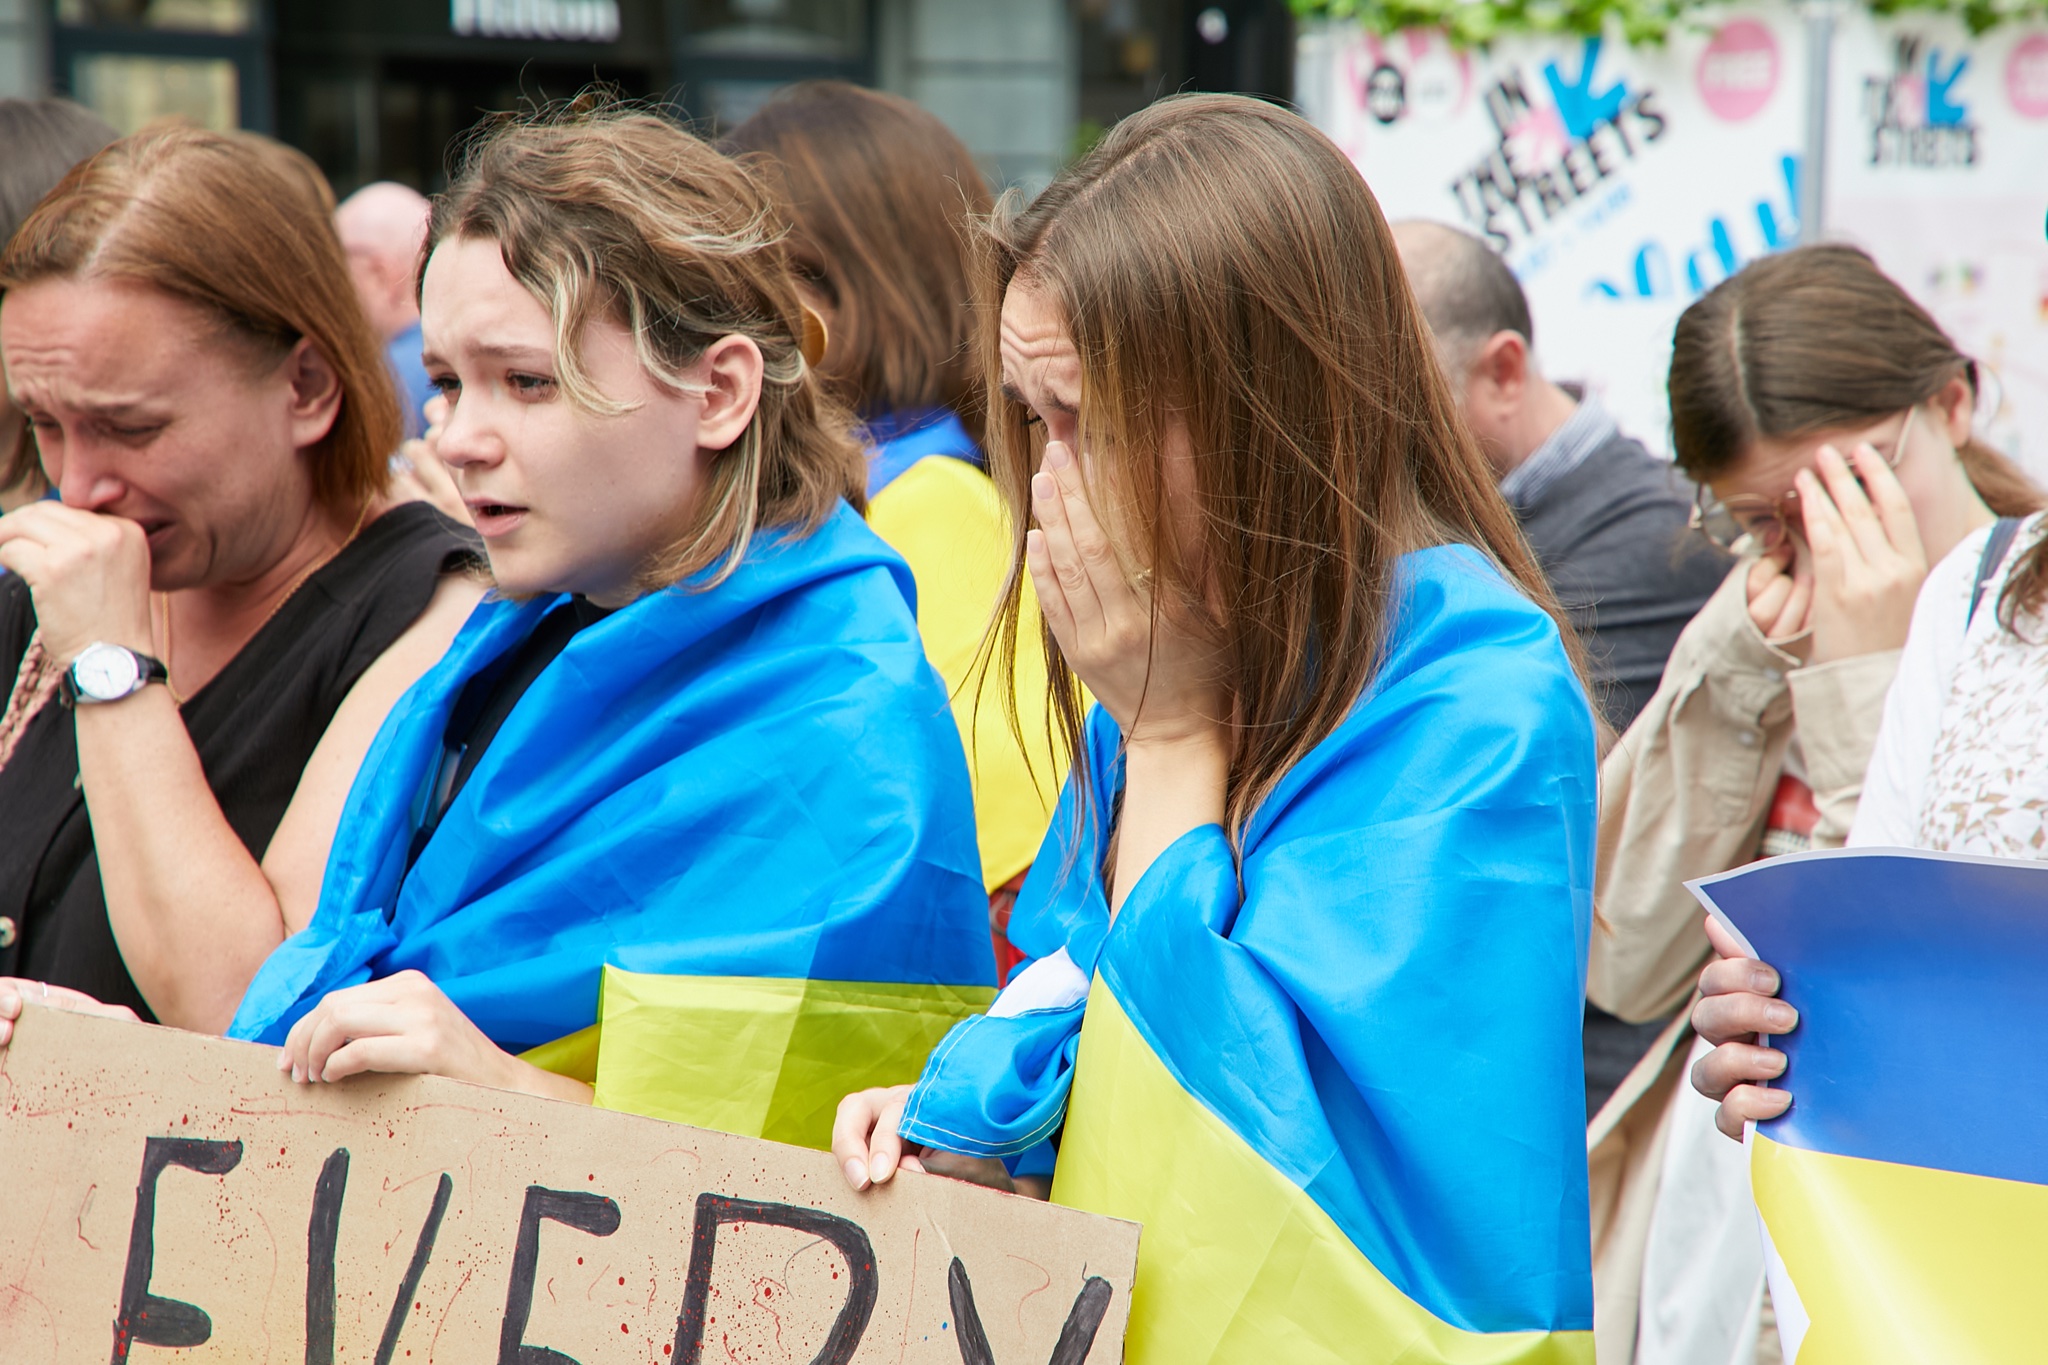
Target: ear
315	393
730	370
1958	408
1503	365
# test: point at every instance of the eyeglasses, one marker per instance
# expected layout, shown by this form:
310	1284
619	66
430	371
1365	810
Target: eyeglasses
1768	522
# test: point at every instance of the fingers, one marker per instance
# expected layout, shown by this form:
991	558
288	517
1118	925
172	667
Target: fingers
1798	609
1731	1064
1725	945
1770	587
1845	517
1740	1015
1752	1103
1893	509
1052	504
864	1138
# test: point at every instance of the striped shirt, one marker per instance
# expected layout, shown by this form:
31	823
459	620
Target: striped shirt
1585	431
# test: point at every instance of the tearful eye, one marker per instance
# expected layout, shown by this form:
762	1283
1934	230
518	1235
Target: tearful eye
530	385
447	385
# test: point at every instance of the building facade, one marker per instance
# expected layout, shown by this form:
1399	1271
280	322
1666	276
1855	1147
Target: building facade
379	89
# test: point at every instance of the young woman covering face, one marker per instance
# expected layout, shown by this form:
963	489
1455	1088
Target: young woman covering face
1306	935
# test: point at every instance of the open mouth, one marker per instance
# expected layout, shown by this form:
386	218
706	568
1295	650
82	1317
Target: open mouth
493	518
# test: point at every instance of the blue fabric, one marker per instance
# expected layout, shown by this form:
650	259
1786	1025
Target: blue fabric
1908	970
898	440
1387	1008
409	373
762	779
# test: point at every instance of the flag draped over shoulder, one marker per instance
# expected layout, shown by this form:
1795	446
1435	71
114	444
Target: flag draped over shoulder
1904	1192
929	499
747	805
1343	1091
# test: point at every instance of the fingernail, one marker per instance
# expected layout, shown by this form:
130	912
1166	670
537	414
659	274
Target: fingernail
1774	1065
1057	456
1780	1016
1042	486
884	1168
284	1062
298	1076
857	1173
1763	980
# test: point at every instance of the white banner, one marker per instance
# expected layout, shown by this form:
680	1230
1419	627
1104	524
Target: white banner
1619	183
1938	166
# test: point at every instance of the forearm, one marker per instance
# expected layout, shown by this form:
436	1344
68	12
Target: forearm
191	910
528	1079
1170	787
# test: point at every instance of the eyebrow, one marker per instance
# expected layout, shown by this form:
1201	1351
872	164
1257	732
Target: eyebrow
491	350
1011	392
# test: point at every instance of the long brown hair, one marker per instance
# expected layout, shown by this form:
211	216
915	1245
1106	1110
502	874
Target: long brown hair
1819	339
1222	269
880	192
603	211
201	217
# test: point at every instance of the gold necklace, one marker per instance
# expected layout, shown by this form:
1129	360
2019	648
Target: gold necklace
164	599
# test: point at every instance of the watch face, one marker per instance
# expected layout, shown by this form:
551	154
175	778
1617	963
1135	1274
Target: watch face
106	672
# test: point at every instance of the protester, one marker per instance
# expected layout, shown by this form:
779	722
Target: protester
1758	741
1605	517
1328	852
692	751
382	228
881	193
204	393
43	139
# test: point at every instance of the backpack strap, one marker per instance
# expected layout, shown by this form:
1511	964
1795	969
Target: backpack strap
2002	532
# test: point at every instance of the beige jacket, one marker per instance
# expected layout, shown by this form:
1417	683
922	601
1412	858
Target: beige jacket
1684	794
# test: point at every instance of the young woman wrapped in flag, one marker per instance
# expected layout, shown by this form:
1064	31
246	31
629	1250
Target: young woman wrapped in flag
683	806
1308	933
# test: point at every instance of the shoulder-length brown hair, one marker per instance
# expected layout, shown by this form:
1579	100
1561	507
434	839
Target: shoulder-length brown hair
1819	339
880	192
1221	268
603	211
202	217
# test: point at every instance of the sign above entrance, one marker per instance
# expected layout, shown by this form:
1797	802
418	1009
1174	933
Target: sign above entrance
589	21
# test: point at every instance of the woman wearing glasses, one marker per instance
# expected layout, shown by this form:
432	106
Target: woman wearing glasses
1827	418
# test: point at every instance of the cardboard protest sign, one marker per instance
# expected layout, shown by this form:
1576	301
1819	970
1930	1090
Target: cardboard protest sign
165	1190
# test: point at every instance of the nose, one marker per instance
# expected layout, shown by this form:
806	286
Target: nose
83	481
466	439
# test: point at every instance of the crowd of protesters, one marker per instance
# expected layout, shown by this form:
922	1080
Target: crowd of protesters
1163	651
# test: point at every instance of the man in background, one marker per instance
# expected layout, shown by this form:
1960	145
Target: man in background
382	228
1606	518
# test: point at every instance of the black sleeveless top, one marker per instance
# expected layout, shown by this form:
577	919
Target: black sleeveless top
254	726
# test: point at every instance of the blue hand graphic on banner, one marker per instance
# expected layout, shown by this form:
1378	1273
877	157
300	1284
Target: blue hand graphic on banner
1943	112
1577	105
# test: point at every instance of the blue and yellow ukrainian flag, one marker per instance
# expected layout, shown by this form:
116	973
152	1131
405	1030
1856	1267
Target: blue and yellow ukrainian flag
1904	1195
719	860
929	499
1337	1078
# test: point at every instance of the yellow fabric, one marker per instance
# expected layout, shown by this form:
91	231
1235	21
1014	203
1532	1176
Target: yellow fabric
761	1056
1236	1263
947	521
574	1056
1902	1263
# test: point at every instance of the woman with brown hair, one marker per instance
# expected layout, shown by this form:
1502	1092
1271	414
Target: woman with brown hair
1831	418
883	198
202	390
1308	927
688	771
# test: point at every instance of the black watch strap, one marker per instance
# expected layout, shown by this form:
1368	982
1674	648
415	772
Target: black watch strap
150	670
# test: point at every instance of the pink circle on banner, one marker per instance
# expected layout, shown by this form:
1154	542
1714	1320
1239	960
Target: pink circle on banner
1738	73
2026	76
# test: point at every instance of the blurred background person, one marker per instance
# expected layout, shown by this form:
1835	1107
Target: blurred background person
227	593
884	200
1758	741
382	228
1606	518
39	141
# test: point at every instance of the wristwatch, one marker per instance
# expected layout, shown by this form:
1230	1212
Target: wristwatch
104	672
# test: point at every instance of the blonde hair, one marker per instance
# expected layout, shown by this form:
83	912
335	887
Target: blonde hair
606	212
1223	270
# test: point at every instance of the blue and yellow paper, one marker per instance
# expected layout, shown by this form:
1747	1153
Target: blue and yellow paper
1905	1193
1343	1094
748	806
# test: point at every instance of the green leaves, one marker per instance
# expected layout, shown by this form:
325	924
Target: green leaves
1471	23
